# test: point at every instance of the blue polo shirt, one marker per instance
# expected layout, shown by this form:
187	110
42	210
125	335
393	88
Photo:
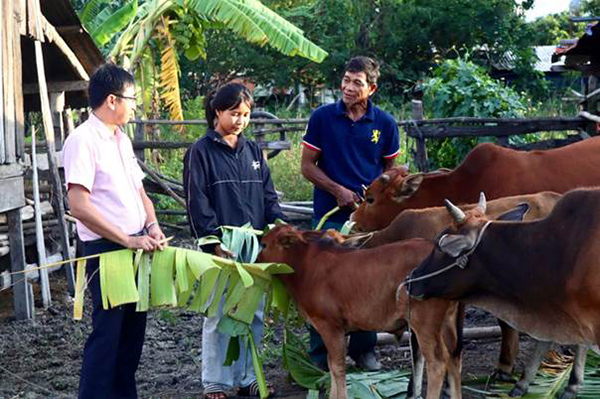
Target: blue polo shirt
351	153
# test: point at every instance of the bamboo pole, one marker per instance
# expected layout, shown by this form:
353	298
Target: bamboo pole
162	185
469	333
57	198
55	38
39	230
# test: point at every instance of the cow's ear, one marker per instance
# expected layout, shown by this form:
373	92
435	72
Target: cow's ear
409	185
516	214
288	239
454	244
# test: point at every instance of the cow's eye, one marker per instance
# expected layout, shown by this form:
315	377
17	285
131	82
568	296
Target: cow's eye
370	200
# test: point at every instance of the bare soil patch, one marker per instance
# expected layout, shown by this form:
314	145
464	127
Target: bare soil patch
41	358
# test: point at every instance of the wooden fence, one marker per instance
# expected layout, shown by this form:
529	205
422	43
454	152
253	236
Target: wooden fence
418	129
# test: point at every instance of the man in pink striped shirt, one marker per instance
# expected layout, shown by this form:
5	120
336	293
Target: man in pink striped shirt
106	195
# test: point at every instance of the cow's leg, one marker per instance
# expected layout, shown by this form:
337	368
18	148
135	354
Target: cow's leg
531	368
417	361
454	374
335	341
576	377
508	352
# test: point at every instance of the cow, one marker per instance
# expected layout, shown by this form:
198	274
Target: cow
339	290
429	222
541	277
497	171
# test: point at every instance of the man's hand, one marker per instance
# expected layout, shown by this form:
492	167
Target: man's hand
223	253
146	243
346	198
155	232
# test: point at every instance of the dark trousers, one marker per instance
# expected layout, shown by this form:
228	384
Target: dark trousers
360	341
113	349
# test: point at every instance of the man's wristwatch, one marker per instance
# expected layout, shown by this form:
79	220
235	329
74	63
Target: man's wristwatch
150	225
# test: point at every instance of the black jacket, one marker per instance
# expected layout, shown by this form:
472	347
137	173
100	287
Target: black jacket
226	186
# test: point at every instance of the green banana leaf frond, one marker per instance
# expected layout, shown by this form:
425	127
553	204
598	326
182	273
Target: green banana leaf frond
114	23
259	24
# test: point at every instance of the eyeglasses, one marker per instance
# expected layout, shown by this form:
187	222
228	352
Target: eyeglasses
124	97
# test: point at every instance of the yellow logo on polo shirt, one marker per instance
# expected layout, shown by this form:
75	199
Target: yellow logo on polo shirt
375	136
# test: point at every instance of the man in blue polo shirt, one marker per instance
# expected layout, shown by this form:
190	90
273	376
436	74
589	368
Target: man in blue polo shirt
346	146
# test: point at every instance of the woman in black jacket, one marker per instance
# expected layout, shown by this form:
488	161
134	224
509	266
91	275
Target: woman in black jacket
227	182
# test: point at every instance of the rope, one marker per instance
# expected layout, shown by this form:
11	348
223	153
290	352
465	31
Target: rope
461	262
62	262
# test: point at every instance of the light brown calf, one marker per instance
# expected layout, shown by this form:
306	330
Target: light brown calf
339	290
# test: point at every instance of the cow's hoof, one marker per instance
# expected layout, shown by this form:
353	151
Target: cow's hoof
502	376
517	392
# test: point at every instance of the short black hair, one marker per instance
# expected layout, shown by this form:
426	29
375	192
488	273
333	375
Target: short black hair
108	79
364	64
228	96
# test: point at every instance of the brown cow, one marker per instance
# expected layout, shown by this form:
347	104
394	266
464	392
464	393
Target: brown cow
429	222
497	171
542	277
339	290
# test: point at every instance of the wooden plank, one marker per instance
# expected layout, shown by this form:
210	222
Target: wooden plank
442	131
21	15
19	106
22	294
39	229
139	136
13	193
55	38
2	56
57	87
8	70
57	198
34	21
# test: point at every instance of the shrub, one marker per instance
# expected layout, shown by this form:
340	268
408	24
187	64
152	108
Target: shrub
461	88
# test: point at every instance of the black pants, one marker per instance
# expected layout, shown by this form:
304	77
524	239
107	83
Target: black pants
113	349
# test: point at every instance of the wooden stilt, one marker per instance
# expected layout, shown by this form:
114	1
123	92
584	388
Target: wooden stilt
39	230
22	293
57	198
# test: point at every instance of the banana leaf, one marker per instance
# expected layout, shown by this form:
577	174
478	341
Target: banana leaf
162	286
117	279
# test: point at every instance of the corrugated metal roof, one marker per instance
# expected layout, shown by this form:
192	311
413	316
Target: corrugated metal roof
543	63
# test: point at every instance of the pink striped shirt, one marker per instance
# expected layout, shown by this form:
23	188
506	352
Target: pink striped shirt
104	163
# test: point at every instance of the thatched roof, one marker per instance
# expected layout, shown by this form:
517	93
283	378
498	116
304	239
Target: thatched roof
61	15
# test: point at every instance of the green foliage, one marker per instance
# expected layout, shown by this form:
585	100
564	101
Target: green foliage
384	29
461	88
287	178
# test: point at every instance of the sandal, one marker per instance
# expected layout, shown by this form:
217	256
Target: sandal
251	390
215	395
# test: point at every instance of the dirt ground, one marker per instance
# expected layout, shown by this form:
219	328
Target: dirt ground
41	358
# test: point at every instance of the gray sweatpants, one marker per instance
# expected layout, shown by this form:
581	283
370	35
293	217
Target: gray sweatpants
215	376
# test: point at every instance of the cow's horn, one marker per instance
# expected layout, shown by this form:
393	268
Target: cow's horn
385	179
482	202
457	214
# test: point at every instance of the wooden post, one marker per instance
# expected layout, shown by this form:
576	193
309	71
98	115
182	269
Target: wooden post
421	155
57	106
39	230
3	35
8	71
19	105
57	198
22	292
68	122
139	135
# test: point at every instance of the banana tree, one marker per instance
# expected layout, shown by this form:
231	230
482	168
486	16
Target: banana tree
152	35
